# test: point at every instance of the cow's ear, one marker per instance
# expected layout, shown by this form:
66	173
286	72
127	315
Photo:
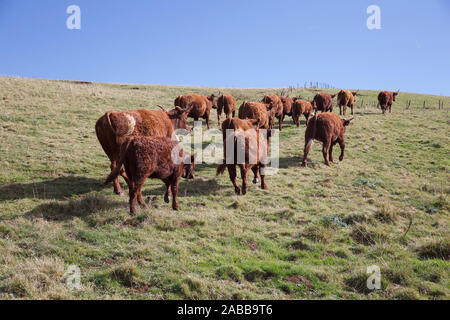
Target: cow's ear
347	122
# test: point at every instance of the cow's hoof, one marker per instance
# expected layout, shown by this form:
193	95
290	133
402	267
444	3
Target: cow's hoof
304	164
244	192
166	199
341	158
255	180
237	191
175	208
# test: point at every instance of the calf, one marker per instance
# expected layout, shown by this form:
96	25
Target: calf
275	106
250	152
156	158
201	105
329	129
346	99
301	107
323	102
385	100
113	127
227	104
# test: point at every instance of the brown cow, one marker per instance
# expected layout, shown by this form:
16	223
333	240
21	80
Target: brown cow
227	104
257	111
201	105
275	106
287	106
329	129
113	127
323	102
345	99
301	107
153	157
385	100
250	152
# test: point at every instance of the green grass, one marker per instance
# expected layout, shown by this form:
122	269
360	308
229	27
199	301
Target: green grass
311	235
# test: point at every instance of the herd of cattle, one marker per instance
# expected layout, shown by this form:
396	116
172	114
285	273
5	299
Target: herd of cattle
140	144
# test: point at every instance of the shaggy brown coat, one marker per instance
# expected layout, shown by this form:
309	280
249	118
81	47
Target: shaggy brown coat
252	147
385	100
227	104
113	127
201	105
323	102
256	111
152	157
329	129
287	106
301	107
275	106
346	98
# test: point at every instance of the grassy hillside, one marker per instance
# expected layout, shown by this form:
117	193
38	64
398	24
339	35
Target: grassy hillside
311	235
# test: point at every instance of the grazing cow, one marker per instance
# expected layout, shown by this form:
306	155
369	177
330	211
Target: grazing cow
155	158
329	129
323	102
113	127
346	99
257	111
385	99
275	106
227	104
250	152
201	105
301	107
287	106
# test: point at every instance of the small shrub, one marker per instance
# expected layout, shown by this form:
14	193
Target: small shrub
435	249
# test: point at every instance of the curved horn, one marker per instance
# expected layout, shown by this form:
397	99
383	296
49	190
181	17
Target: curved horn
162	108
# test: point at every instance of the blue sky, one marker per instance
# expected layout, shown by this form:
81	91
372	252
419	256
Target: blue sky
242	44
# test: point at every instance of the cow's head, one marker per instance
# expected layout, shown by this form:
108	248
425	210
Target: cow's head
354	93
395	94
346	123
212	101
178	117
189	167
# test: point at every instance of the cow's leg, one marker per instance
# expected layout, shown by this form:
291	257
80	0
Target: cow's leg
133	196
207	118
308	145
234	113
168	191
116	184
330	153
280	122
342	145
174	187
352	107
340	110
325	151
345	110
255	173
262	168
244	171
139	197
218	119
232	172
390	108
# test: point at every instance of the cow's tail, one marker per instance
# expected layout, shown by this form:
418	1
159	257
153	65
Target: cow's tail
310	140
117	170
221	169
108	117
